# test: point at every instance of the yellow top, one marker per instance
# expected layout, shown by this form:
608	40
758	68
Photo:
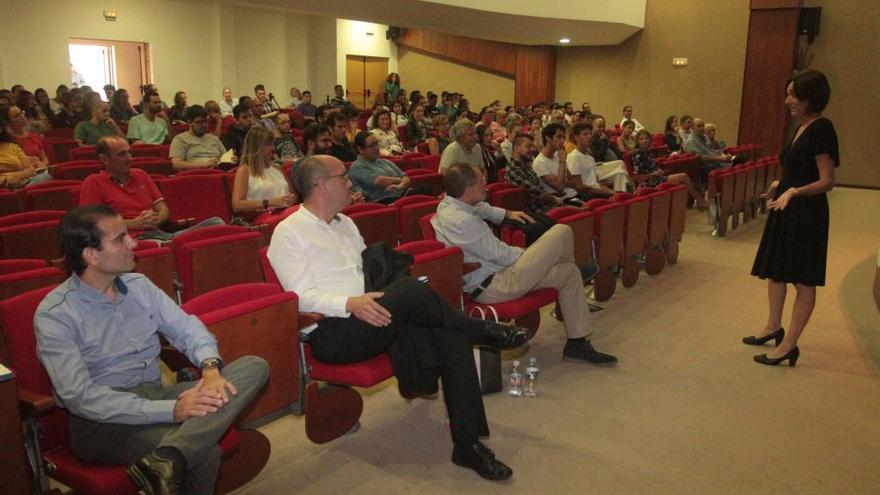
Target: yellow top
12	158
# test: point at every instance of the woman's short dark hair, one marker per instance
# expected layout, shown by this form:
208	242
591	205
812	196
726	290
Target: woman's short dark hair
196	111
811	86
378	114
482	130
79	230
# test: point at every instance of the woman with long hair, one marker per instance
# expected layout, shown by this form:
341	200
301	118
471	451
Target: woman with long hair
260	184
30	142
670	133
441	139
794	247
646	172
121	109
389	142
392	87
398	116
37	121
416	130
178	111
44	104
16	168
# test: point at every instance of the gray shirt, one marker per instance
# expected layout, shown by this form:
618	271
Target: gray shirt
199	149
455	153
700	145
91	347
460	224
363	173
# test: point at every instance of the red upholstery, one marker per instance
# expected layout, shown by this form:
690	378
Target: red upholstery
10	202
199	171
16	321
157	264
153	165
52	195
56	132
31	217
83	153
58	148
75	170
425	179
361	374
430	162
147	150
224	260
509	197
515	308
19	265
401	133
31	240
268	273
658	139
219	304
410	209
375	222
196	197
608	219
18	282
426	227
203	233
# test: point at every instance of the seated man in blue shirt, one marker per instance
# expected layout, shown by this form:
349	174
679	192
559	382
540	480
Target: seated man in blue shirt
508	272
98	339
380	180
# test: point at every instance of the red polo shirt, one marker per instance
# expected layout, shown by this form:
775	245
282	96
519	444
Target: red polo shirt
130	199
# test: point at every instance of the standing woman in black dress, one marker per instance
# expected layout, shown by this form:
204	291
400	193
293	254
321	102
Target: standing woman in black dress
794	246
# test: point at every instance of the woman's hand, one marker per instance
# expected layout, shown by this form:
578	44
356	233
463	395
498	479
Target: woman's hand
771	191
282	201
782	201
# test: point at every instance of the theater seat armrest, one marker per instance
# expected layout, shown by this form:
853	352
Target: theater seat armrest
34	405
470	267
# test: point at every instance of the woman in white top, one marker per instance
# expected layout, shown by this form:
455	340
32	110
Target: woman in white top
398	115
260	184
389	142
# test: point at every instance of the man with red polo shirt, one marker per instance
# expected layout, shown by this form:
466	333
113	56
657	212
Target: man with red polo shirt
131	192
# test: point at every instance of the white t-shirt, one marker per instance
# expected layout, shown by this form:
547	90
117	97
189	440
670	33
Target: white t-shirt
546	166
455	153
584	165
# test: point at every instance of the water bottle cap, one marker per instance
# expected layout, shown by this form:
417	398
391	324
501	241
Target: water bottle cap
516	362
533	360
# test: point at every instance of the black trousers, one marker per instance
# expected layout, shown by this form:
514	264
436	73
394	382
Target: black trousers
434	324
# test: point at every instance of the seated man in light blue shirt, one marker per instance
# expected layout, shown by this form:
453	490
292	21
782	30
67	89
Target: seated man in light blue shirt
380	180
508	272
98	338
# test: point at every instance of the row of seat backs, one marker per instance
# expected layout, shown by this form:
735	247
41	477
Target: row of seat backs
737	185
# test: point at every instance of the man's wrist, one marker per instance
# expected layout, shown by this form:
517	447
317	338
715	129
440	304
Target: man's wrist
211	363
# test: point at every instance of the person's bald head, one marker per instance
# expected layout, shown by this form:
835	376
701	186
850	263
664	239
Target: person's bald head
115	154
323	179
699	126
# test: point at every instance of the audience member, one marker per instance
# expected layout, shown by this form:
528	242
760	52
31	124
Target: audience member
316	252
627	115
646	172
109	91
178	110
215	118
493	160
121	109
295	98
71	111
88	132
380	180
508	272
627	139
685	131
267	106
306	109
464	148
152	126
711	130
550	163
416	130
671	135
119	411
44	104
196	148
585	174
259	183
391	88
341	148
512	126
438	144
227	103
131	192
519	172
601	147
398	116
16	168
698	143
57	103
284	144
36	120
389	143
431	107
244	120
30	142
339	98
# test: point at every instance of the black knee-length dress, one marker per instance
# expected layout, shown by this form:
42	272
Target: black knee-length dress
794	246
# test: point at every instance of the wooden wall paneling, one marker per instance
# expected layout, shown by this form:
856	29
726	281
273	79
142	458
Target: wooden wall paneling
775	4
535	74
483	54
770	60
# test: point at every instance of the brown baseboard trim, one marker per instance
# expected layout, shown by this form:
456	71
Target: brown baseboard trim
858	186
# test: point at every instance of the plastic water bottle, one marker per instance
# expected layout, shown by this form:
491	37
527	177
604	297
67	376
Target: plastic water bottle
531	387
515	388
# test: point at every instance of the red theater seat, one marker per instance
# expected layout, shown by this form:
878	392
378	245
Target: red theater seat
375	222
409	210
32	234
196	197
213	257
52	195
635	234
658	227
608	233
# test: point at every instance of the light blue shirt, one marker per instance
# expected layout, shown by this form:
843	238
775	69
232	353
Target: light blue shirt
363	173
91	347
460	224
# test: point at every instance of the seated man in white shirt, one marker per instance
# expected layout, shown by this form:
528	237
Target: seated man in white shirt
628	115
316	252
585	174
550	164
508	272
464	148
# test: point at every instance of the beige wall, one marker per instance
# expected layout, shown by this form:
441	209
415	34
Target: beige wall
712	35
847	53
427	73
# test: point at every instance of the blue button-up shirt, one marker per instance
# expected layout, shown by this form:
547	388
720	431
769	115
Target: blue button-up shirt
460	224
91	346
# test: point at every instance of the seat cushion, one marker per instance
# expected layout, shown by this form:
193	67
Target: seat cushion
514	308
362	374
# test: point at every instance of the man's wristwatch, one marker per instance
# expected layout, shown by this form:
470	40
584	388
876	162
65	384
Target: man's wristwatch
211	363
265	204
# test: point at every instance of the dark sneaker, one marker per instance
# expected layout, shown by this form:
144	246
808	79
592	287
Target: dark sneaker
583	351
161	472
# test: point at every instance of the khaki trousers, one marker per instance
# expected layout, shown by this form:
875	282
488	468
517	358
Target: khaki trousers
614	171
549	262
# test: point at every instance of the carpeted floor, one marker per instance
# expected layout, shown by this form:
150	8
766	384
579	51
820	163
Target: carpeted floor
686	411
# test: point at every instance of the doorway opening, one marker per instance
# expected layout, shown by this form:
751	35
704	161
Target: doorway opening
364	78
96	63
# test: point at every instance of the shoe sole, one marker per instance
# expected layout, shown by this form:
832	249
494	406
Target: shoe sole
461	464
141	481
583	361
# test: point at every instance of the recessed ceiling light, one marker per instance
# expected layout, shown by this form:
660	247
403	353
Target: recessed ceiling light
564	40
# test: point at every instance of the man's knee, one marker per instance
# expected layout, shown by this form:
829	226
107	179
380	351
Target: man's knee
253	367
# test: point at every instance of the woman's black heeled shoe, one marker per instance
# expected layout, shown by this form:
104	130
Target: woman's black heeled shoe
791	356
775	335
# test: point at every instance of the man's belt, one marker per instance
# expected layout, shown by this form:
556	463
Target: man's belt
483	286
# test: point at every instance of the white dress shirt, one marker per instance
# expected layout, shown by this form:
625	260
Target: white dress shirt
320	261
550	166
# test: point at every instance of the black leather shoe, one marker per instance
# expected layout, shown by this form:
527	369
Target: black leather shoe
790	356
582	350
481	459
161	472
504	336
776	335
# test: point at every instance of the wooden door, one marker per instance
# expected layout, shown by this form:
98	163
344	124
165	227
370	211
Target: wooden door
364	77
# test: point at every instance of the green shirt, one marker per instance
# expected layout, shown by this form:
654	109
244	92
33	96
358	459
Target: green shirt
89	133
141	129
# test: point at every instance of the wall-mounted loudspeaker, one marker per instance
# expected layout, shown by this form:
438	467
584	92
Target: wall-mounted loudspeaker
808	24
392	33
